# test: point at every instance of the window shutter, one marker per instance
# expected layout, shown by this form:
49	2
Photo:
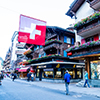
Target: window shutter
40	46
65	39
65	53
44	54
82	41
34	48
96	37
73	41
39	55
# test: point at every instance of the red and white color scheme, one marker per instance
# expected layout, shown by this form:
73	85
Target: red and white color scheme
31	30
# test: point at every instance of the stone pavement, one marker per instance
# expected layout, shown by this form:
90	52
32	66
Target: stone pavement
61	86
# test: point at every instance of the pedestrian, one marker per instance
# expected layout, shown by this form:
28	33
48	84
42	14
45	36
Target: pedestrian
1	77
14	76
86	79
67	78
32	77
28	76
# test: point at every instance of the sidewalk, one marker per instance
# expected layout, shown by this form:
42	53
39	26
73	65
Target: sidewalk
61	87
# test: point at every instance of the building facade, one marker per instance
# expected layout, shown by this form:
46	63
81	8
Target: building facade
50	61
87	27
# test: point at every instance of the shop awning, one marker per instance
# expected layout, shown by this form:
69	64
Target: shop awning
23	69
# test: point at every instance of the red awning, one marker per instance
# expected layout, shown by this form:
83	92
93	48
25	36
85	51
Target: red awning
23	69
32	70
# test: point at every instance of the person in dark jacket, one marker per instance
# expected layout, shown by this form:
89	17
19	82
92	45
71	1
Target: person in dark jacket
28	76
67	78
1	77
14	76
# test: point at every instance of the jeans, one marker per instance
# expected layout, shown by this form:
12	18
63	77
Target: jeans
32	78
67	87
86	82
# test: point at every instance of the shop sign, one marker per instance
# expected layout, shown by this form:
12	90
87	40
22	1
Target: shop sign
74	66
58	65
49	69
69	53
41	66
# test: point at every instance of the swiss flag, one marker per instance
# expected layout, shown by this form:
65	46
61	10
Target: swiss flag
32	31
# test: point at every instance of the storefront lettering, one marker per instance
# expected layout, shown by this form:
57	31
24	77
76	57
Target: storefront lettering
41	66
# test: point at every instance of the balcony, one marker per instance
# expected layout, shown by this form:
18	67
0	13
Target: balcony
88	49
95	4
51	46
88	26
20	46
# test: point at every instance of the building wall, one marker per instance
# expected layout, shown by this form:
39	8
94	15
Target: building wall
85	10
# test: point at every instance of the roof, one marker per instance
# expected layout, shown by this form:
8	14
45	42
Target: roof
76	4
59	28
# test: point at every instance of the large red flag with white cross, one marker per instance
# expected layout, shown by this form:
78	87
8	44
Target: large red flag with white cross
31	30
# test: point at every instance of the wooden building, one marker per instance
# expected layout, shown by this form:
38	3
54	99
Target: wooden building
50	61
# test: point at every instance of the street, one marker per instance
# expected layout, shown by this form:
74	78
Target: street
24	91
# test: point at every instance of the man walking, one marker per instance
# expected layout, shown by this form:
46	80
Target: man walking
1	77
86	79
67	78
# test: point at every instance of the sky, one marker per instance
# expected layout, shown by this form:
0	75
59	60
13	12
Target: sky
51	11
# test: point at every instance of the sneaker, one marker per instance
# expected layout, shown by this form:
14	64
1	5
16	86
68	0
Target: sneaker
67	94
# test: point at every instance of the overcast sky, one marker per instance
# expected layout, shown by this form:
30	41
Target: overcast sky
51	11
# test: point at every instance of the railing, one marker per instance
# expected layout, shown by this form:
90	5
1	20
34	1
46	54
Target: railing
54	45
89	27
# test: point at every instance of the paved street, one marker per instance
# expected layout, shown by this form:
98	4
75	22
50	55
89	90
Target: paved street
23	90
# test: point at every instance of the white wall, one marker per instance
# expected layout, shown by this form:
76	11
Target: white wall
84	11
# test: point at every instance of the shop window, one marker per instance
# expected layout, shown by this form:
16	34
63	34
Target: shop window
95	69
37	75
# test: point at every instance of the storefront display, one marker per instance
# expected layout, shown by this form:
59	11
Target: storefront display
95	69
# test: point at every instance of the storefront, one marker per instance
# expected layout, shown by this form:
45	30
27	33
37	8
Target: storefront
56	70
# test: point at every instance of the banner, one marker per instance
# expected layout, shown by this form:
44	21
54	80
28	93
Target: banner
31	30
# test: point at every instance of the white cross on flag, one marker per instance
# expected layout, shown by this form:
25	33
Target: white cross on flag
31	30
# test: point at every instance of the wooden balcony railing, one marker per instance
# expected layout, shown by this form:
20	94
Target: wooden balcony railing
88	26
88	48
54	45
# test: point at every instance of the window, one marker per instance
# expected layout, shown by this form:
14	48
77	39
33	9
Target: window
37	47
67	39
89	39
